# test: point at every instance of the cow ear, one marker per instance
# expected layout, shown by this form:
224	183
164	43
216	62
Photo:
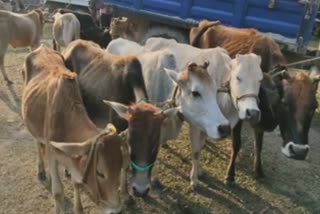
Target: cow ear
173	75
171	112
122	110
72	149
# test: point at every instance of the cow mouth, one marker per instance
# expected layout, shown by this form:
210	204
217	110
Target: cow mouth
295	151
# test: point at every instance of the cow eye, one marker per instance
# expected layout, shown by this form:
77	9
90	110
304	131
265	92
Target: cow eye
239	79
196	94
100	174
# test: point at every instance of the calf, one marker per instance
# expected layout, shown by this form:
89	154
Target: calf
66	28
53	111
19	30
88	29
119	78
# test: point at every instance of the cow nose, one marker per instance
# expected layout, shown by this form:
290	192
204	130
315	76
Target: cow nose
142	193
224	130
253	115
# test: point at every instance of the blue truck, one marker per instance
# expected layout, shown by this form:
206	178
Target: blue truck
290	22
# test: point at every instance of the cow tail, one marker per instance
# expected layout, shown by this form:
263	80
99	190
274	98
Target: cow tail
135	77
196	39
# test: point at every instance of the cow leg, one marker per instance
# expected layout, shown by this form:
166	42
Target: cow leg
54	44
78	209
236	145
3	71
41	167
197	142
124	172
258	134
56	185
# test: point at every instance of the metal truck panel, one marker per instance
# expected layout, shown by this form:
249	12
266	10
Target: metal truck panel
288	18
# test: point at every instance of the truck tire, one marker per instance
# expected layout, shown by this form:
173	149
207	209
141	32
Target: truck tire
180	36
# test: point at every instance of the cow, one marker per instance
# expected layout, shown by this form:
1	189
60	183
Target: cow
19	30
53	111
66	28
5	6
88	29
139	30
119	79
279	102
237	41
242	104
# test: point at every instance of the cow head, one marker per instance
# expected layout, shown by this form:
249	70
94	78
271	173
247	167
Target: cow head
245	80
145	123
298	104
97	164
119	27
198	100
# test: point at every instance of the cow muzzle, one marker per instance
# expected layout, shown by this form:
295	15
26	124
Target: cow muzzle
295	151
253	116
112	211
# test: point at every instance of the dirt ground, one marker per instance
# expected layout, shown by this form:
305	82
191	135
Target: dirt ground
290	186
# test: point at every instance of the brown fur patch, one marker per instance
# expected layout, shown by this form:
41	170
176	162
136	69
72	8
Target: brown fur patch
238	41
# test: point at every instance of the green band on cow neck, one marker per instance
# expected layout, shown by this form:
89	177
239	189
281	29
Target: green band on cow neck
140	168
143	99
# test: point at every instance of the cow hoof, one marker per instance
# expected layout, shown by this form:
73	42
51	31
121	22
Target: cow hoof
195	185
229	182
42	176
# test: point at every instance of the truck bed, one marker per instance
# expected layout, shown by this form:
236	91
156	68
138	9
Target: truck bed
288	21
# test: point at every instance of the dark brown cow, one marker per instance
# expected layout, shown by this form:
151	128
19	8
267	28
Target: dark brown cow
119	78
280	97
53	111
105	76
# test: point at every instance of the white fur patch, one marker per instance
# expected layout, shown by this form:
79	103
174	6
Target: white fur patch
286	151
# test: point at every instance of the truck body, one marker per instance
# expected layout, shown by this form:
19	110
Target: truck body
289	22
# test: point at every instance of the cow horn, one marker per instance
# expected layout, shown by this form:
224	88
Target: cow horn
206	64
191	66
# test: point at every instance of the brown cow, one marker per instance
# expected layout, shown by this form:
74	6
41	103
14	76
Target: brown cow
53	111
237	41
119	78
19	30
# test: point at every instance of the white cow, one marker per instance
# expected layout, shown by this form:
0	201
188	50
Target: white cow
66	28
242	76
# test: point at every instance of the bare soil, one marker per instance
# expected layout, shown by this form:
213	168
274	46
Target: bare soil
290	186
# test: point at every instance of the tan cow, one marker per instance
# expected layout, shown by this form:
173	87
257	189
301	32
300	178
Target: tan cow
53	112
66	28
19	30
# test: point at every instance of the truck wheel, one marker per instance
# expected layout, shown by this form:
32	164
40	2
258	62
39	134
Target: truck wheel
180	36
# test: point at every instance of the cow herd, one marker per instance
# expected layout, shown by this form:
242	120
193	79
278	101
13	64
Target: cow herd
226	76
